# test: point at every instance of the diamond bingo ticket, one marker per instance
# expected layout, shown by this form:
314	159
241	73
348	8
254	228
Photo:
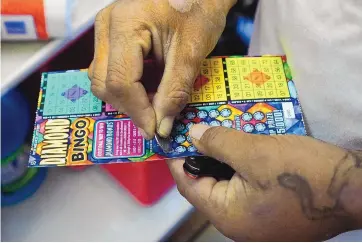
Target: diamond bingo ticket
73	127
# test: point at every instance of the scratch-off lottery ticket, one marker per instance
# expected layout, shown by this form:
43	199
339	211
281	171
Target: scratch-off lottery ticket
73	127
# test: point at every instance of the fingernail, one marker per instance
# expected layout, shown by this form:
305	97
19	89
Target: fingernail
198	130
165	127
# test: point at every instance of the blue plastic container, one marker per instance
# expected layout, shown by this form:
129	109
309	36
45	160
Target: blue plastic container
244	29
8	199
15	122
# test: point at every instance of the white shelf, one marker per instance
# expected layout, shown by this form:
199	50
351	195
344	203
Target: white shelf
90	206
20	59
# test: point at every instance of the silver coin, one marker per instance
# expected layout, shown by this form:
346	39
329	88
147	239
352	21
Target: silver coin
165	143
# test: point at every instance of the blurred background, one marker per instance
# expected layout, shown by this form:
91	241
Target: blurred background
123	202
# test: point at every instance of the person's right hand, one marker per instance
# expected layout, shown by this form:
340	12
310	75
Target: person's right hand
179	33
285	188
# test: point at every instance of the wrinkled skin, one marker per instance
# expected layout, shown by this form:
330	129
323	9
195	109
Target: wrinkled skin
129	30
286	188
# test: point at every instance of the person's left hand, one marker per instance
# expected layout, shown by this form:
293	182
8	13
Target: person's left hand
285	187
177	34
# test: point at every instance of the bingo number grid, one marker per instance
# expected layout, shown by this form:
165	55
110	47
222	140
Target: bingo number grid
210	85
68	94
256	78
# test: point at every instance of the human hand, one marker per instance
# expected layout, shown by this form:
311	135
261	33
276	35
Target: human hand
286	188
179	33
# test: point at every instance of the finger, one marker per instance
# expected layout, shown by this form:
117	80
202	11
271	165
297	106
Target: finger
246	153
125	67
181	70
97	71
203	193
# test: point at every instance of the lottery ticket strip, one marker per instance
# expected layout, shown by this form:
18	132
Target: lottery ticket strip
68	98
247	78
251	94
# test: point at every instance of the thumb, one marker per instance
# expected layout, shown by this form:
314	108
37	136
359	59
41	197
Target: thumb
245	153
174	91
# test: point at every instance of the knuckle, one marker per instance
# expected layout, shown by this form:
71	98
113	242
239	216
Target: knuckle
97	90
101	16
129	33
119	18
97	78
97	84
117	69
115	83
115	13
128	27
115	87
101	25
179	93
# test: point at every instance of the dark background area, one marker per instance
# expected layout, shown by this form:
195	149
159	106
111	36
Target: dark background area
230	43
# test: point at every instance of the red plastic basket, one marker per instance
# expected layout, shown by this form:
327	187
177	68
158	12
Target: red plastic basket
147	181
